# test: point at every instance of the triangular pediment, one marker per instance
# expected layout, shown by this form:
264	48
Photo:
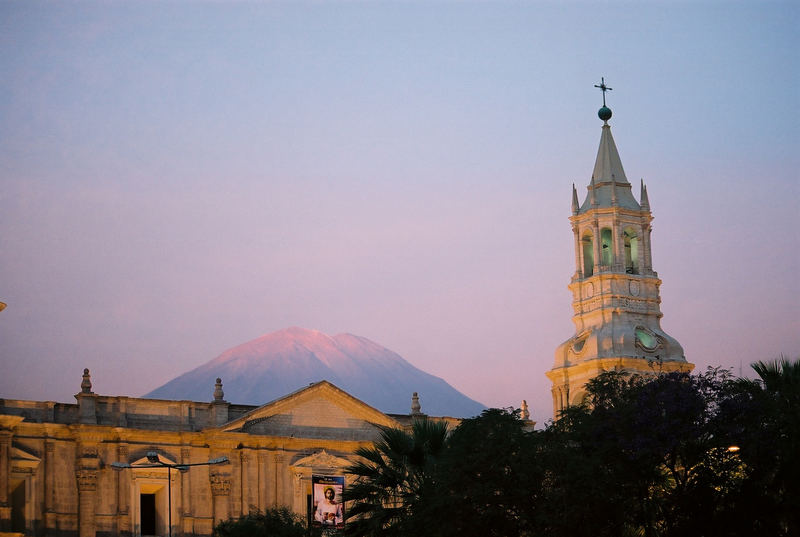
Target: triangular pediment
144	461
320	410
22	459
322	459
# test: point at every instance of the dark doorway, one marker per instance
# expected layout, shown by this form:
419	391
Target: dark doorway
148	514
18	507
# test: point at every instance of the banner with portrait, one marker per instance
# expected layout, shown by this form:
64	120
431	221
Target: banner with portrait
326	498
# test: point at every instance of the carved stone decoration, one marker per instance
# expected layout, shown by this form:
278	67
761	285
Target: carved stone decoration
86	383
220	484
634	288
322	460
87	480
415	406
219	395
21	470
524	413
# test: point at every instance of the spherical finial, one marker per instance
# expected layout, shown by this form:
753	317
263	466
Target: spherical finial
604	113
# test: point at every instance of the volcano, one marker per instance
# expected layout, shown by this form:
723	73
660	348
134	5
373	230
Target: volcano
279	363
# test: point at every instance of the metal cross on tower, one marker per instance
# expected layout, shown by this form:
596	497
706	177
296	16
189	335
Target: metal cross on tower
604	88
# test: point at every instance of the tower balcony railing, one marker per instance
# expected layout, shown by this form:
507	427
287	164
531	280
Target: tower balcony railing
617	268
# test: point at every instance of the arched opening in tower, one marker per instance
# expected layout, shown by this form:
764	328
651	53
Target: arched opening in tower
607	247
631	251
588	254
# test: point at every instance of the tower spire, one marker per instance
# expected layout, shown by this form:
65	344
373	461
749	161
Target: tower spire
575	206
608	165
613	273
645	201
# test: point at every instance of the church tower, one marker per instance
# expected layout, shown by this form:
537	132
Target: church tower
615	291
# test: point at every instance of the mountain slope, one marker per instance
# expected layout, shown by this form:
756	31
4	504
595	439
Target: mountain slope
276	364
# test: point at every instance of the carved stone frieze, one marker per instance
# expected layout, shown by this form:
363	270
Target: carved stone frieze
87	479
220	484
22	470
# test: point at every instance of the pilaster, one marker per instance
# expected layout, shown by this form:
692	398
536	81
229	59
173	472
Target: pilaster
220	491
87	499
5	467
264	497
280	471
578	261
123	481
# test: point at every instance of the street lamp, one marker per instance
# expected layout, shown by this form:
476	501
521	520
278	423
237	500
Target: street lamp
155	462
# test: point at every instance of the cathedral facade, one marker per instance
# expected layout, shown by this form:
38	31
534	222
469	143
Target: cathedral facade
615	291
86	469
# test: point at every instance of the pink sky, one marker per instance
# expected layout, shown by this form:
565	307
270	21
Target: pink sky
179	178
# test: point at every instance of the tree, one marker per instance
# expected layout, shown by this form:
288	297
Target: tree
643	456
488	477
279	522
394	483
762	418
647	456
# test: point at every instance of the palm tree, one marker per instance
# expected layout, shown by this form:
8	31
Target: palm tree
393	480
767	420
781	379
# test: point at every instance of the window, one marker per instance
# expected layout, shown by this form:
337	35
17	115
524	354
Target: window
588	254
607	247
631	251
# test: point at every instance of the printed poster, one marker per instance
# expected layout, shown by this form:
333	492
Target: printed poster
327	506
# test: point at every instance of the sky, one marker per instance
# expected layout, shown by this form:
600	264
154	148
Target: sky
178	178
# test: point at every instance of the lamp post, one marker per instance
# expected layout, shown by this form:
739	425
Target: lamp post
155	462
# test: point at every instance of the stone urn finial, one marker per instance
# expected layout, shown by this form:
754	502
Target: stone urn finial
86	383
416	409
218	393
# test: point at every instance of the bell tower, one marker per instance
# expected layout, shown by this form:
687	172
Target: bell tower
615	291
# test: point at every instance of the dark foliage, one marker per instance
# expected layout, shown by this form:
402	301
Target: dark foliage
280	522
648	456
488	478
